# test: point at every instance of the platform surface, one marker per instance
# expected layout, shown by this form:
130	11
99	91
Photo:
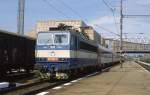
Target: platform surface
132	79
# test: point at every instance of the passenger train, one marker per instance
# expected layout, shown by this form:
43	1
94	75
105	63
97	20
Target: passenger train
65	52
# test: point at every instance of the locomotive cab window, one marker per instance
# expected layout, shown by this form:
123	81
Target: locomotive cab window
45	39
61	39
53	38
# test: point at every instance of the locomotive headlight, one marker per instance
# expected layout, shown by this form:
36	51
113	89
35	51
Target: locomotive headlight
52	59
52	53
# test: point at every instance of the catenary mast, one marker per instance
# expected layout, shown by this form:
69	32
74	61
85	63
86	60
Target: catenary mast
20	18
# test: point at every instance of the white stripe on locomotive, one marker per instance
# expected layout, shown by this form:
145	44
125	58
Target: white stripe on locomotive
66	54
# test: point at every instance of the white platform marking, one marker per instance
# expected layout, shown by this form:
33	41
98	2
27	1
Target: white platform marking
67	84
74	81
42	93
57	87
92	74
79	79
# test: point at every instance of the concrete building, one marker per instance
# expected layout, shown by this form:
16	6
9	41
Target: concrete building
31	33
93	35
76	24
45	25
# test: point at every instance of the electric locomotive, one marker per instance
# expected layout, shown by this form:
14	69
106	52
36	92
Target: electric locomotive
64	51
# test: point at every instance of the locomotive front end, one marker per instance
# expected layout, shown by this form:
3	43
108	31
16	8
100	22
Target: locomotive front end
53	52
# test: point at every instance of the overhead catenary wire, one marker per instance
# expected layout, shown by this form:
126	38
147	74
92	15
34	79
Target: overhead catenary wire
107	5
52	6
113	14
105	29
75	12
72	10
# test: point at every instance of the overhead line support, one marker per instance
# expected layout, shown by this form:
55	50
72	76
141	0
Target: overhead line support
121	28
20	18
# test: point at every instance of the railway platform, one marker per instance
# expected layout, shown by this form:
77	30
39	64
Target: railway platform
131	79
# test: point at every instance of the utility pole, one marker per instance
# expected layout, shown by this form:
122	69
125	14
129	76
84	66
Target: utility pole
20	17
121	28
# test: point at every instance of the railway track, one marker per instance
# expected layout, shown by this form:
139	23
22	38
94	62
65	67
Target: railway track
17	77
39	86
13	90
144	65
32	89
35	87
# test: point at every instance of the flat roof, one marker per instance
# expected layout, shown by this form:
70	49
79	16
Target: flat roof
15	34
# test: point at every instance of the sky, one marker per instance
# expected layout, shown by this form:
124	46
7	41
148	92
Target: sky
93	12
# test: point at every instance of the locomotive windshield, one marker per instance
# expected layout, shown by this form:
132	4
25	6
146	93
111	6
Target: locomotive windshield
53	39
61	39
45	39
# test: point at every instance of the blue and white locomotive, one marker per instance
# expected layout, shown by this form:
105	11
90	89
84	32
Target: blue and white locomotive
63	52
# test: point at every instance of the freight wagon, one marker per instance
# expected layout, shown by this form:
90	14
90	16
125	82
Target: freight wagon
16	53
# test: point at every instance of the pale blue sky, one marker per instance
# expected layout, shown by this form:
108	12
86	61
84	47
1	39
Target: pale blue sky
93	10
